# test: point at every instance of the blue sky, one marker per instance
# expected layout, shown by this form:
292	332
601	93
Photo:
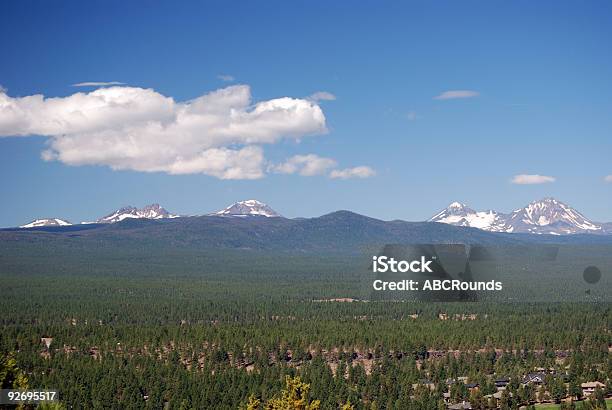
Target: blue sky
539	72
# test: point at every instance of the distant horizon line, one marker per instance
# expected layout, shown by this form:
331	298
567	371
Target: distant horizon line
214	213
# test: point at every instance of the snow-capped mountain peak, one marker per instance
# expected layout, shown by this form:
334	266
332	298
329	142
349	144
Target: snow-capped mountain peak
460	214
251	207
545	216
538	216
46	222
153	211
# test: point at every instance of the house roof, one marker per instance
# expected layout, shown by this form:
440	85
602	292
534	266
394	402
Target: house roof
592	385
534	377
460	406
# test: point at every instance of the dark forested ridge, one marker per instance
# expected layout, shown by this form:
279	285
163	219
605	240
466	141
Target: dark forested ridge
209	312
339	231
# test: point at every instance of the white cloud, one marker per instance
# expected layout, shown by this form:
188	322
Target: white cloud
357	172
453	94
226	77
97	84
311	164
129	128
244	163
322	96
306	165
525	179
608	178
412	115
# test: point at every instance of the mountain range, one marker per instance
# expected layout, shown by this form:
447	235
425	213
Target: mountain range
546	216
246	208
340	232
